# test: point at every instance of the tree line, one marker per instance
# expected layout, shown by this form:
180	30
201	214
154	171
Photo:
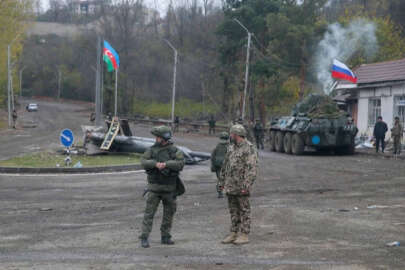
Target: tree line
212	52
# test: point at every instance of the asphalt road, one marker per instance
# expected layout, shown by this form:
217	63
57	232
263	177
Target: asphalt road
308	212
39	131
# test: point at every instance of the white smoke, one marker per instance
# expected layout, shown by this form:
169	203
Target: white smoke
341	43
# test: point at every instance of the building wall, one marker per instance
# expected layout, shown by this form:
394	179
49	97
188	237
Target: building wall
387	95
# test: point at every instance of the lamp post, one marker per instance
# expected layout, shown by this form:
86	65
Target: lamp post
174	79
59	82
9	82
247	67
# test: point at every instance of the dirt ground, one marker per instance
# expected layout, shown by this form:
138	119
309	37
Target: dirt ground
315	211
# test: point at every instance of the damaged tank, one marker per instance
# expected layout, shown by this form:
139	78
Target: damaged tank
315	123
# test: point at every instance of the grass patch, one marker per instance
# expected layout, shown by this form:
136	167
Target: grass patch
3	124
49	160
183	108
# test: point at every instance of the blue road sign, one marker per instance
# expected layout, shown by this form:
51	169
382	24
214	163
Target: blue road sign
66	137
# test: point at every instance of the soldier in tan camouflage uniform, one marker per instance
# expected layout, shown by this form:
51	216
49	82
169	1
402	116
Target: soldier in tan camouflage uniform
238	174
397	133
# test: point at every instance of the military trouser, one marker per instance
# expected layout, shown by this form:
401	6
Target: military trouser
397	144
169	209
239	208
259	142
211	130
220	192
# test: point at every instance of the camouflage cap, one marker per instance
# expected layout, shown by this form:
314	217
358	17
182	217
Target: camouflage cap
224	135
162	131
238	130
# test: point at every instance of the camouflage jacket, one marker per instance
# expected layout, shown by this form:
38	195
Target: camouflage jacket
239	169
218	155
162	180
397	130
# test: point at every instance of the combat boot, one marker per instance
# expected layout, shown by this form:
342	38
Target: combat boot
167	241
241	239
230	238
145	242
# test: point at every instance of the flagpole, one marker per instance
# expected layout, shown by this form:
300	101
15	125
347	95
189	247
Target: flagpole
116	91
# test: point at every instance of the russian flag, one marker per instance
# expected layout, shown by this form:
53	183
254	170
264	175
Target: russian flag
341	71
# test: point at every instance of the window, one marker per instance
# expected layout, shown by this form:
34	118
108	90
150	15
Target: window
374	110
399	108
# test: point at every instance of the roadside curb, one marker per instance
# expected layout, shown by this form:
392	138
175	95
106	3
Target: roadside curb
13	170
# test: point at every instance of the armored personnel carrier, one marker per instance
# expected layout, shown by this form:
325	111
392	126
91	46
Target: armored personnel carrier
315	123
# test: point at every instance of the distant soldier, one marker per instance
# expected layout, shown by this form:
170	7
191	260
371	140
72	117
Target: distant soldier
14	118
92	117
211	124
176	124
380	128
258	131
237	176
397	133
162	162
217	158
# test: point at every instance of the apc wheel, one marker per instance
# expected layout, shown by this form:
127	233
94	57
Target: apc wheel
279	141
347	150
297	145
287	143
272	140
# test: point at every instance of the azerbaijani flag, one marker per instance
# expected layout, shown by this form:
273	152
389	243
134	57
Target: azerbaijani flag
110	56
341	71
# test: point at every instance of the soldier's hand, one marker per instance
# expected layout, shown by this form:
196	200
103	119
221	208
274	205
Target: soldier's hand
244	191
160	165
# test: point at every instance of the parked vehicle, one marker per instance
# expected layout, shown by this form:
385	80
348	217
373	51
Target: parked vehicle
315	123
32	107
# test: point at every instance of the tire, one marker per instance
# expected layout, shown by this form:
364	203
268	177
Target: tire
272	140
279	142
297	145
287	143
347	150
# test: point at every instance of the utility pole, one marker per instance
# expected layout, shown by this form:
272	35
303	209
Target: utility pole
9	81
12	93
59	82
174	79
9	85
247	68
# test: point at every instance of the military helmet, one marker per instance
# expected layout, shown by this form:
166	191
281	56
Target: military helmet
224	135
238	130
162	131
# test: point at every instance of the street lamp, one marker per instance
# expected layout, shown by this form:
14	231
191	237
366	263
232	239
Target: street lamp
9	82
59	81
174	79
247	66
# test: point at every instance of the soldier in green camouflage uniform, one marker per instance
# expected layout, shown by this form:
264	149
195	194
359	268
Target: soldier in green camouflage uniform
258	130
238	174
162	162
397	133
217	158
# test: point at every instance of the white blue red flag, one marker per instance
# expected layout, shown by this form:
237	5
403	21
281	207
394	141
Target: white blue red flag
341	71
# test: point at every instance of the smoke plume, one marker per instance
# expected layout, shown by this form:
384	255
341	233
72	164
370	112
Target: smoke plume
342	43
